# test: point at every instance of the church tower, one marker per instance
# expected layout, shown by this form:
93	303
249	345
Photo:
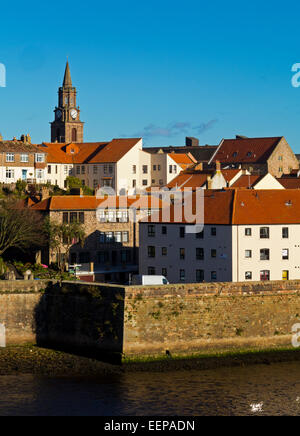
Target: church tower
67	126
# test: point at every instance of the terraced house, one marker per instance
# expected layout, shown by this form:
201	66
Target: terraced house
20	160
248	236
110	253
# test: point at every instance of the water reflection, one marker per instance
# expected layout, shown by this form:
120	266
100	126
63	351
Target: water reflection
253	390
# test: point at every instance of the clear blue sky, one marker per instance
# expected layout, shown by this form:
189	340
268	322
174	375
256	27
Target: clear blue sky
162	69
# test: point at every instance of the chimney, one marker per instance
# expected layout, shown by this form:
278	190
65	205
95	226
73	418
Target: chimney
1	137
241	137
23	138
218	166
209	182
191	142
44	193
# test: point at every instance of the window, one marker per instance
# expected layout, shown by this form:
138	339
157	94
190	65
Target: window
235	154
95	169
66	170
65	218
125	256
56	169
164	272
118	237
49	169
164	230
110	169
133	169
213	253
182	275
182	253
265	275
200	235
151	251
285	254
84	257
145	182
151	230
109	237
248	254
213	231
249	154
181	232
158	167
78	170
39	174
264	254
10	157
153	181
175	169
154	167
103	257
280	158
280	169
264	233
95	183
82	169
248	275
133	183
24	157
105	168
200	253
200	275
151	271
73	217
145	169
285	275
10	174
248	232
40	157
161	182
125	237
170	169
213	275
164	251
285	232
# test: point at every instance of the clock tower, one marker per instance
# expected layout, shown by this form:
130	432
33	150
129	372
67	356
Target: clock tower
67	126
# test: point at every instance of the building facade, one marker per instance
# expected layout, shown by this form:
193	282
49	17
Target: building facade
243	239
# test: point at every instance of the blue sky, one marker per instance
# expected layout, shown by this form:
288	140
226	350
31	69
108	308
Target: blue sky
161	69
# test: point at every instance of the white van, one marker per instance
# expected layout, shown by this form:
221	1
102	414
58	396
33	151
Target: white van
149	280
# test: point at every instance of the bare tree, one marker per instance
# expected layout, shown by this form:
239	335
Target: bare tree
20	228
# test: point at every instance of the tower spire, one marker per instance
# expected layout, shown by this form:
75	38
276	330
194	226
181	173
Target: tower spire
67	79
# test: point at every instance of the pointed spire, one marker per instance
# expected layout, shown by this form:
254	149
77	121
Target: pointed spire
67	79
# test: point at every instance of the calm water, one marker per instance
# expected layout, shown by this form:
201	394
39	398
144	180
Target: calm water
261	389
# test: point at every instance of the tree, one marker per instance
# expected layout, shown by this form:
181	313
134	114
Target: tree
20	227
62	237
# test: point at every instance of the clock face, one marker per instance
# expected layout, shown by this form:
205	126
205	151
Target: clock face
74	114
58	114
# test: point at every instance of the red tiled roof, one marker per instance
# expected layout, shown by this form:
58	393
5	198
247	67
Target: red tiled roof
88	152
290	182
188	180
246	181
182	159
242	207
267	207
69	202
229	174
246	150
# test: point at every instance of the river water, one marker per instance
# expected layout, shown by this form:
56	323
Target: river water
253	390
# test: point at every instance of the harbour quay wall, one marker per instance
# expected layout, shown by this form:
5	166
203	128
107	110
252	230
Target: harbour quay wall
184	319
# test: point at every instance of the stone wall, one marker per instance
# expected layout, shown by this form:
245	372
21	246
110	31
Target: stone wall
135	321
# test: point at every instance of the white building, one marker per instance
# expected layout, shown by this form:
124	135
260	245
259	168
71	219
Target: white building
248	236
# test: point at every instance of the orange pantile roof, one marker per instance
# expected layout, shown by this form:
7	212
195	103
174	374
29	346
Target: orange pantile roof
246	150
183	159
69	202
267	207
229	174
188	180
241	207
88	152
246	181
290	182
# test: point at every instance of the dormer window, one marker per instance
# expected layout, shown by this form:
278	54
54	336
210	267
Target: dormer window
40	157
235	154
249	154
